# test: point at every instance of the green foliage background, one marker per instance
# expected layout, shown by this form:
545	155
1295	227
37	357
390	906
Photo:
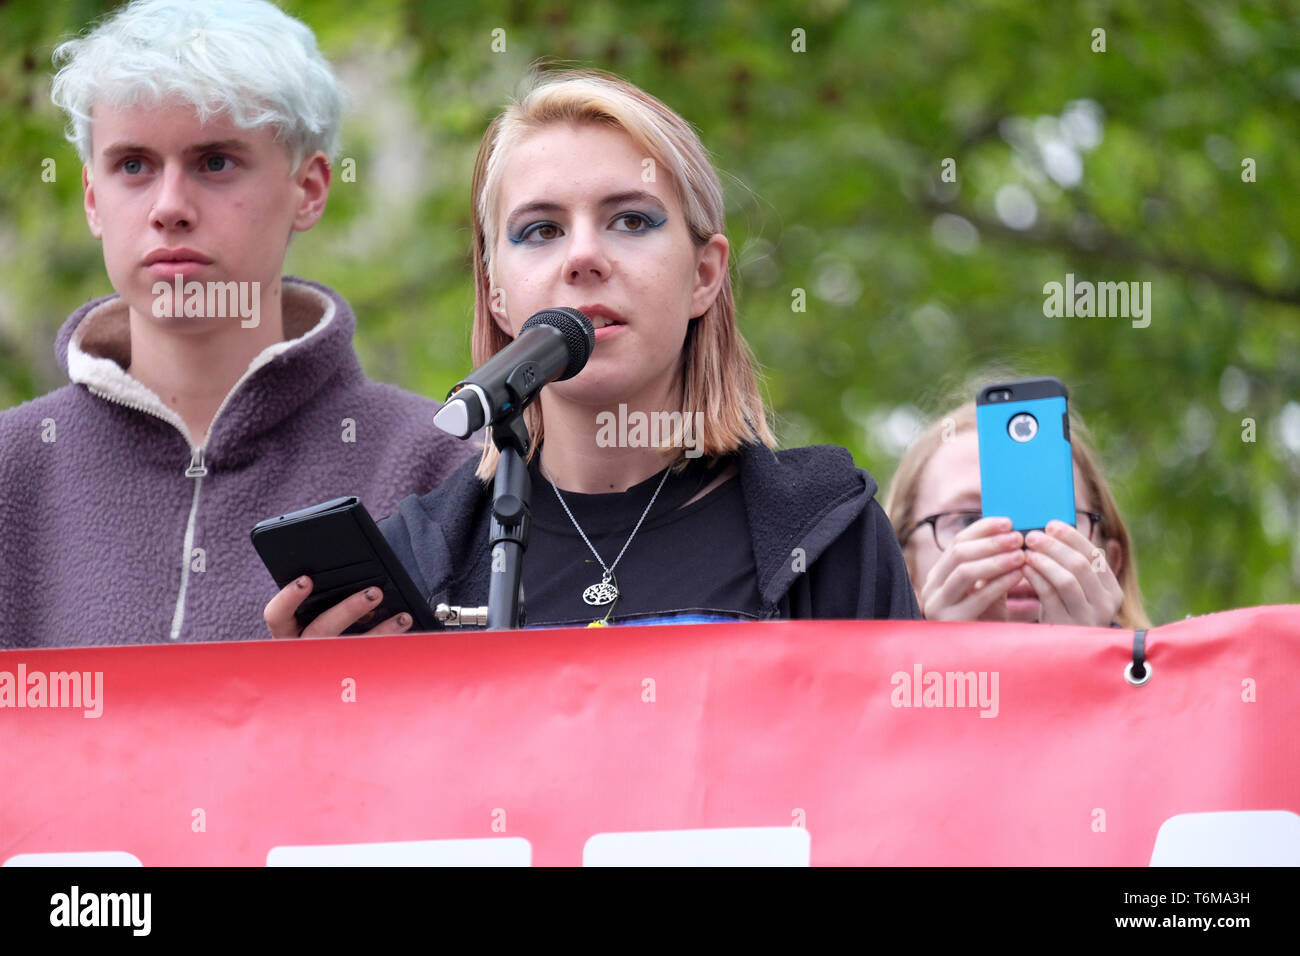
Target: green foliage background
832	161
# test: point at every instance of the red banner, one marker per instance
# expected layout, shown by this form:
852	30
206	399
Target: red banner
794	742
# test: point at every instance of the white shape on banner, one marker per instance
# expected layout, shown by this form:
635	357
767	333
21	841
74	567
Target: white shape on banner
1229	838
502	851
89	858
733	846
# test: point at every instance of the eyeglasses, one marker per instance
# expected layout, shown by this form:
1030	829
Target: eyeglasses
947	524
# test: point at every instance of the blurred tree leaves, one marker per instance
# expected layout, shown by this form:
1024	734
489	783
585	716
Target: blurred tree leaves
1128	165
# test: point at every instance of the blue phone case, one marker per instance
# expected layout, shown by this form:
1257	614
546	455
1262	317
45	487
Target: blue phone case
1031	482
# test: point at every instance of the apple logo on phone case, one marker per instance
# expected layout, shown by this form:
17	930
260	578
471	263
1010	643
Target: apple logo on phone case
1022	427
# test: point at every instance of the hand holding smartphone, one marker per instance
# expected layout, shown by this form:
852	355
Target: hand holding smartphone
337	545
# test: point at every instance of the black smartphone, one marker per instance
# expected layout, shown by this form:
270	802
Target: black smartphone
338	545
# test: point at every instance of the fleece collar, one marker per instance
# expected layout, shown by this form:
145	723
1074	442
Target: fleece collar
94	347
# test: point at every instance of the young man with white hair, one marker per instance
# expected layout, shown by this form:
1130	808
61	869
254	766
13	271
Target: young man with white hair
209	392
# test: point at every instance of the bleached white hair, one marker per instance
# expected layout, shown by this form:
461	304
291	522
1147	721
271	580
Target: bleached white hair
245	58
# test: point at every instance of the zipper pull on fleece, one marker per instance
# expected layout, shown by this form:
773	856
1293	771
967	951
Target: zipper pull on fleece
197	469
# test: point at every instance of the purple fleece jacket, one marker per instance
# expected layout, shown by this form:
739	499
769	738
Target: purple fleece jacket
115	529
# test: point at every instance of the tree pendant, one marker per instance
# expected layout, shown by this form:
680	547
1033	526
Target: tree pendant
598	595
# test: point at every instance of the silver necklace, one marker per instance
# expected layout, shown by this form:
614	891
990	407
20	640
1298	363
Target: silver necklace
606	591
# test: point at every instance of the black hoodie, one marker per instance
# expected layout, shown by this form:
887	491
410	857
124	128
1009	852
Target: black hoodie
813	498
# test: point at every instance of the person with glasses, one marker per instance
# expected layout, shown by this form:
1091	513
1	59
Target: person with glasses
966	567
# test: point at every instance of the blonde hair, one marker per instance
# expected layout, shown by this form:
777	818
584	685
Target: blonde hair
718	369
900	502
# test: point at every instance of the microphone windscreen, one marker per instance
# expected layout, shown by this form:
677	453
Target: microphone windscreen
579	335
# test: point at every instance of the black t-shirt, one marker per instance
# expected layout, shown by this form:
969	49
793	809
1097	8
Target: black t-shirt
687	562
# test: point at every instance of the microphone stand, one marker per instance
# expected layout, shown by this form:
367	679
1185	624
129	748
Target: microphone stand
511	519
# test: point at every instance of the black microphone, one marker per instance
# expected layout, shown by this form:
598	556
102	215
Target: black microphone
553	345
